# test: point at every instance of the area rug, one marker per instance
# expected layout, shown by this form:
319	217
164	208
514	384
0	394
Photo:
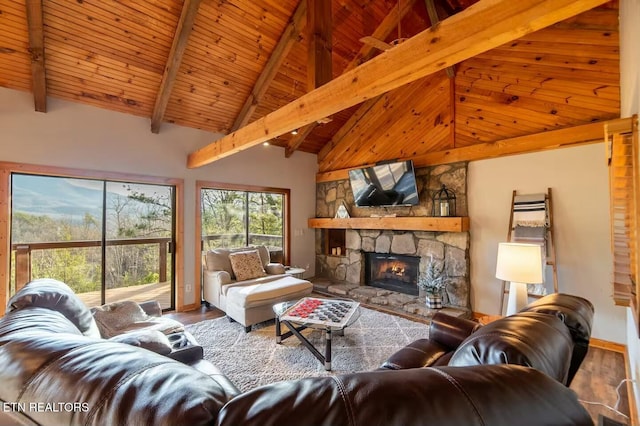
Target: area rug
254	359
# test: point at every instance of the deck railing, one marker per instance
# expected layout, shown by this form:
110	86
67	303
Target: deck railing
23	253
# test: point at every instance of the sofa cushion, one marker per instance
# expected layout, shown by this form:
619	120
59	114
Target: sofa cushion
531	339
285	287
247	265
56	296
218	260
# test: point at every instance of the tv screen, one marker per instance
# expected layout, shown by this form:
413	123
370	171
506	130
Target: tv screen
389	184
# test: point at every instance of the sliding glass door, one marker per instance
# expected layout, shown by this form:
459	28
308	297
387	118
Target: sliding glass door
238	218
109	241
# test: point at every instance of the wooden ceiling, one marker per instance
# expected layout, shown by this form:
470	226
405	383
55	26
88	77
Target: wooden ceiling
205	63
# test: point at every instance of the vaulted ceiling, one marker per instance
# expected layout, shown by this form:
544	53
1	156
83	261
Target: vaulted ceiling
217	65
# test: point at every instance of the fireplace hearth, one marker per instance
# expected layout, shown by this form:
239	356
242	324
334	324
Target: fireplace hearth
393	272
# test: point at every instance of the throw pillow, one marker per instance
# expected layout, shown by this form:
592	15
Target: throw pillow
152	340
113	317
247	265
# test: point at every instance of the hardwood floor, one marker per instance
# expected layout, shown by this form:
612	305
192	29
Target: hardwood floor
596	381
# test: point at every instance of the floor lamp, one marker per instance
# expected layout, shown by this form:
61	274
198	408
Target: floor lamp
521	264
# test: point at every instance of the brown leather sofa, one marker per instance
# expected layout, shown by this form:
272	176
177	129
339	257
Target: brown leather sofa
54	370
551	335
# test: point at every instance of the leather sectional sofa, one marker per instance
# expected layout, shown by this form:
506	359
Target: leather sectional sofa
56	370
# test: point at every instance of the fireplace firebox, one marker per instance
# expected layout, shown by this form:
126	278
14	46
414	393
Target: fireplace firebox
393	272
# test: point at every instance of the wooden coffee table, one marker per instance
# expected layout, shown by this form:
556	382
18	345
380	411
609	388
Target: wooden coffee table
330	315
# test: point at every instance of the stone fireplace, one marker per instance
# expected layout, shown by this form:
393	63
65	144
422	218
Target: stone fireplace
348	266
392	272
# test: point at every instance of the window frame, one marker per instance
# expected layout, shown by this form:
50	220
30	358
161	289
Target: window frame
8	168
286	228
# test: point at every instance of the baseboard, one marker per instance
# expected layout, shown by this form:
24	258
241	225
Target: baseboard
186	308
610	346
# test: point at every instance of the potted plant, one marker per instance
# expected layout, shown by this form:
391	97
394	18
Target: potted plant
433	282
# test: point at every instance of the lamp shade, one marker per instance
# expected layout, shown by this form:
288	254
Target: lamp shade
521	263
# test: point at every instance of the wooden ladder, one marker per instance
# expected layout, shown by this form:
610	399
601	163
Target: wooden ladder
550	247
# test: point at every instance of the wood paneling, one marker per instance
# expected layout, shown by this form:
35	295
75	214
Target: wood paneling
561	76
113	55
475	30
393	128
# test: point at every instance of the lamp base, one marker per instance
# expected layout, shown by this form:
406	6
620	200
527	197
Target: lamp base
518	298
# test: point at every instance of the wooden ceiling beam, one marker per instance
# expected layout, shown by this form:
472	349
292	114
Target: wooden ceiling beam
388	24
433	17
320	28
319	59
562	138
290	35
484	26
179	45
36	50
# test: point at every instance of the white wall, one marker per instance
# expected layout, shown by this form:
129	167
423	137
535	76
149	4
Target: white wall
629	105
579	182
85	137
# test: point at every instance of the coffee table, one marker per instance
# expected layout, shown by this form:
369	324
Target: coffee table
330	315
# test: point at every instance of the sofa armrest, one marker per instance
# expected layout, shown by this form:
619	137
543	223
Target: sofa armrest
274	268
151	308
213	282
417	354
450	331
446	333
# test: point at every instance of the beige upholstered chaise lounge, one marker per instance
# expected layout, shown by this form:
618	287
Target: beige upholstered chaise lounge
244	284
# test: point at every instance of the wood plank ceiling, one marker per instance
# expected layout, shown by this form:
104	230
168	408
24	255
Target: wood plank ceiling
113	54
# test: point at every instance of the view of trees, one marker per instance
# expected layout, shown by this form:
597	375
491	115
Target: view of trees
133	212
68	214
240	218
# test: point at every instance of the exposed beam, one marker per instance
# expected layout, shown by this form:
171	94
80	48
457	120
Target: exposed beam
433	17
562	138
388	24
319	60
481	27
290	35
319	50
296	140
180	40
36	50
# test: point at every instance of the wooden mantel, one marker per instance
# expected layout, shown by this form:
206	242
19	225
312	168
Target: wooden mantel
433	224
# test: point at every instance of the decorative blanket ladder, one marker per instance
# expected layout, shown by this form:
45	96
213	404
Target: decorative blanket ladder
531	221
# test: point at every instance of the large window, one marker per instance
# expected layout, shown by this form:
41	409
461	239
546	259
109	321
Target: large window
109	241
238	218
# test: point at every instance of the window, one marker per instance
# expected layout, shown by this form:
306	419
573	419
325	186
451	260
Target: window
108	240
624	181
244	217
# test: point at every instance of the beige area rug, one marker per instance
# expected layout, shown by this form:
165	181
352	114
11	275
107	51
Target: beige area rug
254	359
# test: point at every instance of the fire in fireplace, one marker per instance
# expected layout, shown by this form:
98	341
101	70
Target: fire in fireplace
393	272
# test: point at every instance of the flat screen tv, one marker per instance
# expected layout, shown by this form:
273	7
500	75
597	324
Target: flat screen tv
388	184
